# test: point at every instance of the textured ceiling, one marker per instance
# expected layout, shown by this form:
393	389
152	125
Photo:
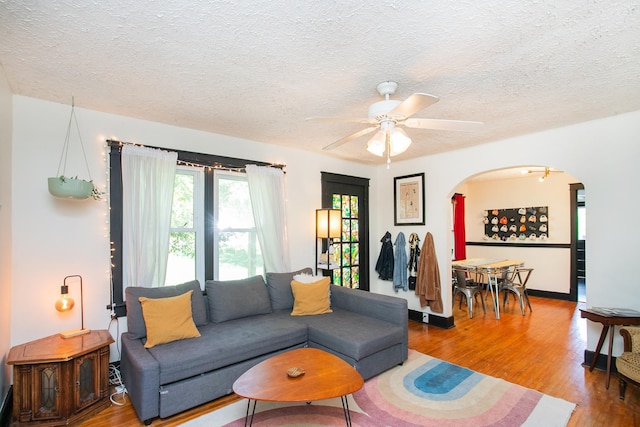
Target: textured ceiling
257	69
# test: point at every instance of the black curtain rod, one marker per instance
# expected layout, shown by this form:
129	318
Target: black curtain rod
201	159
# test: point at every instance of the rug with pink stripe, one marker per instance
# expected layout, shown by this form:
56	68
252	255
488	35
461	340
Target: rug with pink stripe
424	391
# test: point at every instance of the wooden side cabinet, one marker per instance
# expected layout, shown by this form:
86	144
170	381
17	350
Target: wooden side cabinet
60	381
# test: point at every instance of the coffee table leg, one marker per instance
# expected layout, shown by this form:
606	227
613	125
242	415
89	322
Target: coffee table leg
345	408
246	417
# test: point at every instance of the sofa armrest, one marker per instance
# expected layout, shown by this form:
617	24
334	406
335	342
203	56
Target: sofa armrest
631	336
383	307
141	376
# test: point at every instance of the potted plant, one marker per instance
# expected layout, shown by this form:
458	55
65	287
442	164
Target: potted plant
72	187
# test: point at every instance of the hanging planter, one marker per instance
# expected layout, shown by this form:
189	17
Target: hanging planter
72	187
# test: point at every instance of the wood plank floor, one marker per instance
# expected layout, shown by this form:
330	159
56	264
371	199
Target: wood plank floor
542	350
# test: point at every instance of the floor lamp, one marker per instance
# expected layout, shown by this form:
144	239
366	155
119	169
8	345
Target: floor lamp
328	227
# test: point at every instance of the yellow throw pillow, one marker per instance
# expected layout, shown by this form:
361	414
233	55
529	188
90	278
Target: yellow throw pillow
311	298
168	319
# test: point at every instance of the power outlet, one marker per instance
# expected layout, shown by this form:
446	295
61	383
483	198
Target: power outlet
425	317
120	389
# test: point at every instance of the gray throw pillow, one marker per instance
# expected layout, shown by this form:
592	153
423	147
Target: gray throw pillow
234	299
279	286
135	321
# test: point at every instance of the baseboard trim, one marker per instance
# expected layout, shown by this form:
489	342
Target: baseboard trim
431	319
601	361
550	295
5	409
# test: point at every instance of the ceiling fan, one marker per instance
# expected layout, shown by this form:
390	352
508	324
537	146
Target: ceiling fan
385	117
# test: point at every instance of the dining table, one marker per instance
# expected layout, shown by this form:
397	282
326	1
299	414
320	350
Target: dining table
493	269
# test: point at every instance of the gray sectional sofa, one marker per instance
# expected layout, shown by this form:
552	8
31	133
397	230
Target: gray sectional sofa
246	321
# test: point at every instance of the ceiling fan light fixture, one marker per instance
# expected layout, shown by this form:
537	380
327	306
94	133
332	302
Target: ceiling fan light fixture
400	141
376	145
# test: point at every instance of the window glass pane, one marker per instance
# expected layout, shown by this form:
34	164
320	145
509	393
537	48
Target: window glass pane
234	209
239	255
183	197
355	254
354	230
346	207
355	277
336	201
346	254
337	277
354	206
346	230
181	266
346	277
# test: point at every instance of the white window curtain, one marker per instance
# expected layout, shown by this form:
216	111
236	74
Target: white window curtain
267	192
147	194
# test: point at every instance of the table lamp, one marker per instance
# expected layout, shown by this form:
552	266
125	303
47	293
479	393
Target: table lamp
66	303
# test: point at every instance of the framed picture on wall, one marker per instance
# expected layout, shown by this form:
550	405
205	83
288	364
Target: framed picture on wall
408	197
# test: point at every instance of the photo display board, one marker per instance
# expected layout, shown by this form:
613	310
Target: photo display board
516	224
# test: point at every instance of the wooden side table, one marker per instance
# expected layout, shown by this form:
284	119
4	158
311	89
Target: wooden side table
609	319
58	381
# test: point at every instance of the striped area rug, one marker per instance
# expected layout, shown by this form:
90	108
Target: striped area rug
424	391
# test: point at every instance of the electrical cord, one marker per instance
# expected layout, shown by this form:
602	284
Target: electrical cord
119	397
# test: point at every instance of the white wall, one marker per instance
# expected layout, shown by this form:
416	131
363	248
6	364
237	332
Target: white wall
552	266
54	238
602	154
5	232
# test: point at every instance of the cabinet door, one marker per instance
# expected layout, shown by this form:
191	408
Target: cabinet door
46	397
87	380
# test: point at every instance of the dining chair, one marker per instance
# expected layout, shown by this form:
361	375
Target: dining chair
515	281
464	285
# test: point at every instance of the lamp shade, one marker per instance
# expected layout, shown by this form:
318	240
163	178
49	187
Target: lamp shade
376	145
328	223
400	141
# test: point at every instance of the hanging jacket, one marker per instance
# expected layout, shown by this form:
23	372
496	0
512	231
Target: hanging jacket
384	266
428	280
400	264
414	254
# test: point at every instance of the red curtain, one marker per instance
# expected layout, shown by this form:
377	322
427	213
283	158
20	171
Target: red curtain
459	235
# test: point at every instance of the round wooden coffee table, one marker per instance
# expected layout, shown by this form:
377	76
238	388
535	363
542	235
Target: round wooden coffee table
325	376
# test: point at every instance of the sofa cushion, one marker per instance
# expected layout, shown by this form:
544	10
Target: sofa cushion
363	336
310	298
168	319
228	343
279	286
135	322
234	299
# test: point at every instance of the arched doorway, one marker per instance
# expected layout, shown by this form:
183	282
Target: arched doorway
551	253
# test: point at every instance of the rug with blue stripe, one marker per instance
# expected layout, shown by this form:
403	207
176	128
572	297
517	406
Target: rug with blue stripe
424	391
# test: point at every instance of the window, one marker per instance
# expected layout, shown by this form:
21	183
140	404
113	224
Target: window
186	250
212	231
238	251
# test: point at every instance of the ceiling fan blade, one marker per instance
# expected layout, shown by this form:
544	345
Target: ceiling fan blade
439	124
341	119
413	104
350	138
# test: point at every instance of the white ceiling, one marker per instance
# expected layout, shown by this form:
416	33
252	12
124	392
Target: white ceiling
257	69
